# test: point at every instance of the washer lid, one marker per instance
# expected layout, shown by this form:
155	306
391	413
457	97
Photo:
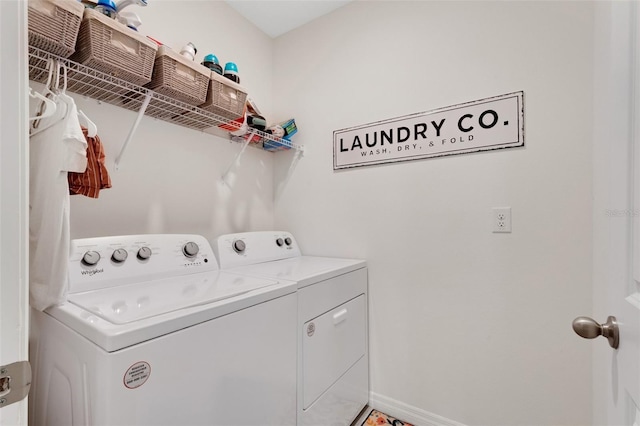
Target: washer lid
134	302
169	316
305	270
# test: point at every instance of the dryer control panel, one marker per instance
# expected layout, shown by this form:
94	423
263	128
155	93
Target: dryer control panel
248	248
109	261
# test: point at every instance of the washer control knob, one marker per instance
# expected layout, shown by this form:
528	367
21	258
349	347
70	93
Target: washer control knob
119	255
190	249
144	253
239	246
90	258
287	241
279	242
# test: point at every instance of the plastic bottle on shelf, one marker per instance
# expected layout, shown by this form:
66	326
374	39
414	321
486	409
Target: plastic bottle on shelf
211	61
189	51
126	3
130	19
231	72
108	8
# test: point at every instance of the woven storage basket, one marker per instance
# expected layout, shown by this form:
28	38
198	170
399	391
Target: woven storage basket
179	78
109	46
224	97
54	25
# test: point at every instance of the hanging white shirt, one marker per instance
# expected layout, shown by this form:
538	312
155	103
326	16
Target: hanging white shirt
59	148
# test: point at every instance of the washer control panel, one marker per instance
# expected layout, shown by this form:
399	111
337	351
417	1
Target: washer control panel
247	248
106	261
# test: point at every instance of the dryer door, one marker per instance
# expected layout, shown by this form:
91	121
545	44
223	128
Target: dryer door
332	343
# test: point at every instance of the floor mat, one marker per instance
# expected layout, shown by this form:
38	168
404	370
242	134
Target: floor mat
377	418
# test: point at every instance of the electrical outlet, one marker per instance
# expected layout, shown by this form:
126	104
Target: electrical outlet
502	219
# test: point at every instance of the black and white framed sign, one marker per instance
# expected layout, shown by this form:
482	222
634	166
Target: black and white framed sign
483	125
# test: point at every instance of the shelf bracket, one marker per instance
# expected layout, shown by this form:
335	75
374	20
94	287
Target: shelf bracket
294	163
237	159
136	123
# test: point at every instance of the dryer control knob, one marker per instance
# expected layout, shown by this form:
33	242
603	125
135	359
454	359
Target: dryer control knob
279	242
144	253
239	246
190	249
90	258
119	255
287	241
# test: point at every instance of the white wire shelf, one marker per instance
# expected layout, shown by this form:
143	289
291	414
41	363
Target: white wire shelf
103	87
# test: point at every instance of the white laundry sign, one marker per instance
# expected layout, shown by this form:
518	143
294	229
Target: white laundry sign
483	125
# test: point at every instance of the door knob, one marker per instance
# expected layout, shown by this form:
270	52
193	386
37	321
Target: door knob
589	329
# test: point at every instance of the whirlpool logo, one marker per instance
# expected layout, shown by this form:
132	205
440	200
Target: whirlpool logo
92	272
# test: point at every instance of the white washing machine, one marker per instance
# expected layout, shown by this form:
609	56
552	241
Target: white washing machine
153	333
333	356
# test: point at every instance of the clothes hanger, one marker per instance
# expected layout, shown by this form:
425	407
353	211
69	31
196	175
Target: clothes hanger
48	105
47	93
51	68
92	129
63	75
52	89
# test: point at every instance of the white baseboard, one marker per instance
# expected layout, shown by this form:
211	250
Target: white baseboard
408	413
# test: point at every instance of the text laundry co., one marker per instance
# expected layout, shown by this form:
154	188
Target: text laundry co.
475	126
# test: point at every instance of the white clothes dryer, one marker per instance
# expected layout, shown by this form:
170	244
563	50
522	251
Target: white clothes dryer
153	333
332	326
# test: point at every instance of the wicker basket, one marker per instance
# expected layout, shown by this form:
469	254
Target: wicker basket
179	78
225	97
54	25
111	47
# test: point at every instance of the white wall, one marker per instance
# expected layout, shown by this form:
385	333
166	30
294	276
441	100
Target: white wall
170	176
464	323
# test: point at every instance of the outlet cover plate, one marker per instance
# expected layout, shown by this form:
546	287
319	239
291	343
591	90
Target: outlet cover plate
501	219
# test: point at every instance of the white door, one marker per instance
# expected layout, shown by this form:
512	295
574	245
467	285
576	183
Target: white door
13	197
616	214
